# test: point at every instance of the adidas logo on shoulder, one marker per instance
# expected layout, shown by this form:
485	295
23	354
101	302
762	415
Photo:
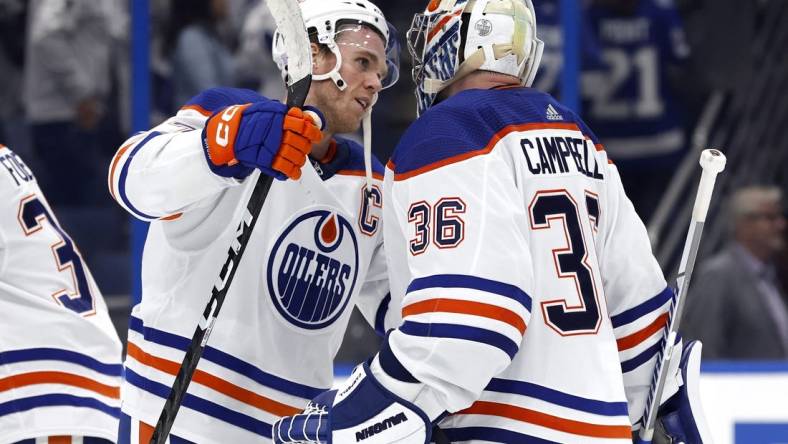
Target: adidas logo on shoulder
552	114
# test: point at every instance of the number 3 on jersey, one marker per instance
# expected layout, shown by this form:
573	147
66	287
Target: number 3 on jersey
32	213
570	261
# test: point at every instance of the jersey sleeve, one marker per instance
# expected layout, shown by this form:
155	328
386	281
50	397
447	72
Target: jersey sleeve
467	305
637	294
163	172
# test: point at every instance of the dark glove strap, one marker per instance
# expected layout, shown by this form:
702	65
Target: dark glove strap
439	436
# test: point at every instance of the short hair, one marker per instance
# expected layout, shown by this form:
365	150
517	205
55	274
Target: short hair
747	201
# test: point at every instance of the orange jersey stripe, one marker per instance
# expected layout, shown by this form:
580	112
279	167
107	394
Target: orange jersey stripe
145	433
59	439
197	108
172	217
466	307
490	145
213	382
549	421
52	377
361	173
636	338
330	152
115	161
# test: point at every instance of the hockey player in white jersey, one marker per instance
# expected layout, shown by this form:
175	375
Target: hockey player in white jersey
532	307
315	252
60	357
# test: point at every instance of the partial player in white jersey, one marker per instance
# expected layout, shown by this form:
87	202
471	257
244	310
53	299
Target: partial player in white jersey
532	307
60	357
315	252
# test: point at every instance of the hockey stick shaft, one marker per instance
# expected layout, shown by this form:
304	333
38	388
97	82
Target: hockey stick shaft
288	18
712	163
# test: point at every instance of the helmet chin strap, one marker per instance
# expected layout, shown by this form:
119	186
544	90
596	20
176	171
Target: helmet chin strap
334	75
366	127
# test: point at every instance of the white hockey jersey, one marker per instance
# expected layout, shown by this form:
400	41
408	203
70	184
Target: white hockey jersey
312	250
60	357
531	304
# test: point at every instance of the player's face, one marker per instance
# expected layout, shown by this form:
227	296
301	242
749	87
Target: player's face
767	226
363	67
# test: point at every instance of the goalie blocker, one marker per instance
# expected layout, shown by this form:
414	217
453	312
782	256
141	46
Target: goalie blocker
680	418
372	415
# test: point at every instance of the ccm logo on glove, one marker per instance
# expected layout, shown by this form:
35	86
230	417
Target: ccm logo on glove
265	135
223	127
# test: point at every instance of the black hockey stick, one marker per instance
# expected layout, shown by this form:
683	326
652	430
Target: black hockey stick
287	15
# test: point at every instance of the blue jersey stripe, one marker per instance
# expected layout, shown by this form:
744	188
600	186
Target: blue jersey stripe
647	354
225	360
464	332
57	354
380	316
391	365
642	358
124	429
125	171
558	398
472	282
201	405
637	312
56	400
493	435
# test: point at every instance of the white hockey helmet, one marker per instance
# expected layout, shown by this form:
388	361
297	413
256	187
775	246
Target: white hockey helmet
325	18
453	38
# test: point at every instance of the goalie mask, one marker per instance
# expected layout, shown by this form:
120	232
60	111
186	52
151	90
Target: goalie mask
326	19
453	38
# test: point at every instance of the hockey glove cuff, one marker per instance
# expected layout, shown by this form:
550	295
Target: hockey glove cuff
361	410
263	135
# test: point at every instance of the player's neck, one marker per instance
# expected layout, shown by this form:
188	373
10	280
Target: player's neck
481	80
320	149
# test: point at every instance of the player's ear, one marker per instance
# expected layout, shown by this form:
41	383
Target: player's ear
316	58
323	60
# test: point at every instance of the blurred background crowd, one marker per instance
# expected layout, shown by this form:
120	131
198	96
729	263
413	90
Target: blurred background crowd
659	80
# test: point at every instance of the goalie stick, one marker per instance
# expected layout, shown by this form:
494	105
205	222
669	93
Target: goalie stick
287	15
712	162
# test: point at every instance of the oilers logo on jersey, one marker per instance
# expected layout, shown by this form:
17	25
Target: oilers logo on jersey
312	269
